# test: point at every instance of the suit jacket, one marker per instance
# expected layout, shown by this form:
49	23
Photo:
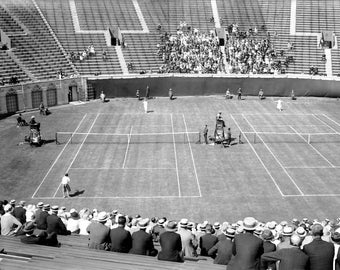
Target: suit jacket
142	244
207	241
55	224
20	213
337	260
33	239
99	235
171	246
268	247
321	254
247	250
121	240
290	258
42	221
224	250
189	242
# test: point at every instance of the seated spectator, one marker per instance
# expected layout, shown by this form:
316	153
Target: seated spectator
73	222
55	224
9	224
104	55
221	252
92	51
41	239
292	95
21	121
142	243
290	258
189	241
121	240
19	212
99	234
84	221
158	229
42	108
207	241
261	95
171	244
228	95
290	46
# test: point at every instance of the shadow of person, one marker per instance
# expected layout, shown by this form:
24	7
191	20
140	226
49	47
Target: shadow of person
77	193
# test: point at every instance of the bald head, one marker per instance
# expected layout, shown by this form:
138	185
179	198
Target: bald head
295	240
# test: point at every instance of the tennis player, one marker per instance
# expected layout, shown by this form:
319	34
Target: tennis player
65	181
145	104
279	105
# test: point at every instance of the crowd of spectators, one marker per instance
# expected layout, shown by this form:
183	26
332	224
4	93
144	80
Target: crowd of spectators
189	51
245	244
12	80
83	55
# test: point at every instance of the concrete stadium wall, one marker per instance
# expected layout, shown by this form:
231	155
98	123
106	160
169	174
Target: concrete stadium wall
24	92
211	85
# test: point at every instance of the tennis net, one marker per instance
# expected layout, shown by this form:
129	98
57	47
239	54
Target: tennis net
290	137
116	138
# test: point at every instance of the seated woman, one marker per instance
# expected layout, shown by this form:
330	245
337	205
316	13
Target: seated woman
21	121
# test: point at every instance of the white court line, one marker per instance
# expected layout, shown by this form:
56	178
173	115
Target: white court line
316	150
192	157
133	125
122	168
258	157
119	197
312	167
127	147
56	160
276	114
75	156
175	152
315	195
324	123
287	125
331	120
297	187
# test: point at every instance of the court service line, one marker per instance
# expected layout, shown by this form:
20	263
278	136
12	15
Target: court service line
61	152
127	147
315	195
120	197
324	123
258	157
75	156
175	152
311	167
192	157
277	160
316	150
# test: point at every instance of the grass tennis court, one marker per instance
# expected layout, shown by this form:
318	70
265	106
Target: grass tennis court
119	157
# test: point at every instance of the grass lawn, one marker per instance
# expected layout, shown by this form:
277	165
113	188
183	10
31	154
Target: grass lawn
150	170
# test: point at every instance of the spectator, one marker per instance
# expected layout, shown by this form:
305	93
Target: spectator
41	220
21	121
207	241
286	234
189	242
171	244
228	95
142	243
261	95
171	94
84	221
55	224
267	237
290	258
41	239
222	251
73	222
99	234
158	229
247	248
320	252
9	224
335	236
19	212
121	240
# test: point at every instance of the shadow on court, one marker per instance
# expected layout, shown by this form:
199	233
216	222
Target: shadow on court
77	193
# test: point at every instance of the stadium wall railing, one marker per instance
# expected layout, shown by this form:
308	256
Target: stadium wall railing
23	97
208	84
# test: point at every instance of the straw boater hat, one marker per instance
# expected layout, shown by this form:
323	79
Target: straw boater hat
229	232
55	208
171	226
183	223
161	221
102	217
143	223
7	207
250	224
47	207
300	231
40	204
287	231
336	236
217	226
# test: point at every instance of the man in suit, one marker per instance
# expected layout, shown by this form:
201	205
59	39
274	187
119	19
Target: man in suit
99	234
247	248
39	210
320	252
189	242
207	241
286	234
41	239
19	212
267	236
290	258
223	248
142	243
55	224
41	221
171	244
121	240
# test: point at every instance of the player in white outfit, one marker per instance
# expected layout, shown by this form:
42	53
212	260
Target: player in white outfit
145	104
279	105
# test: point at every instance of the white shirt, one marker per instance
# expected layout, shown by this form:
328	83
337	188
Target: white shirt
65	180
